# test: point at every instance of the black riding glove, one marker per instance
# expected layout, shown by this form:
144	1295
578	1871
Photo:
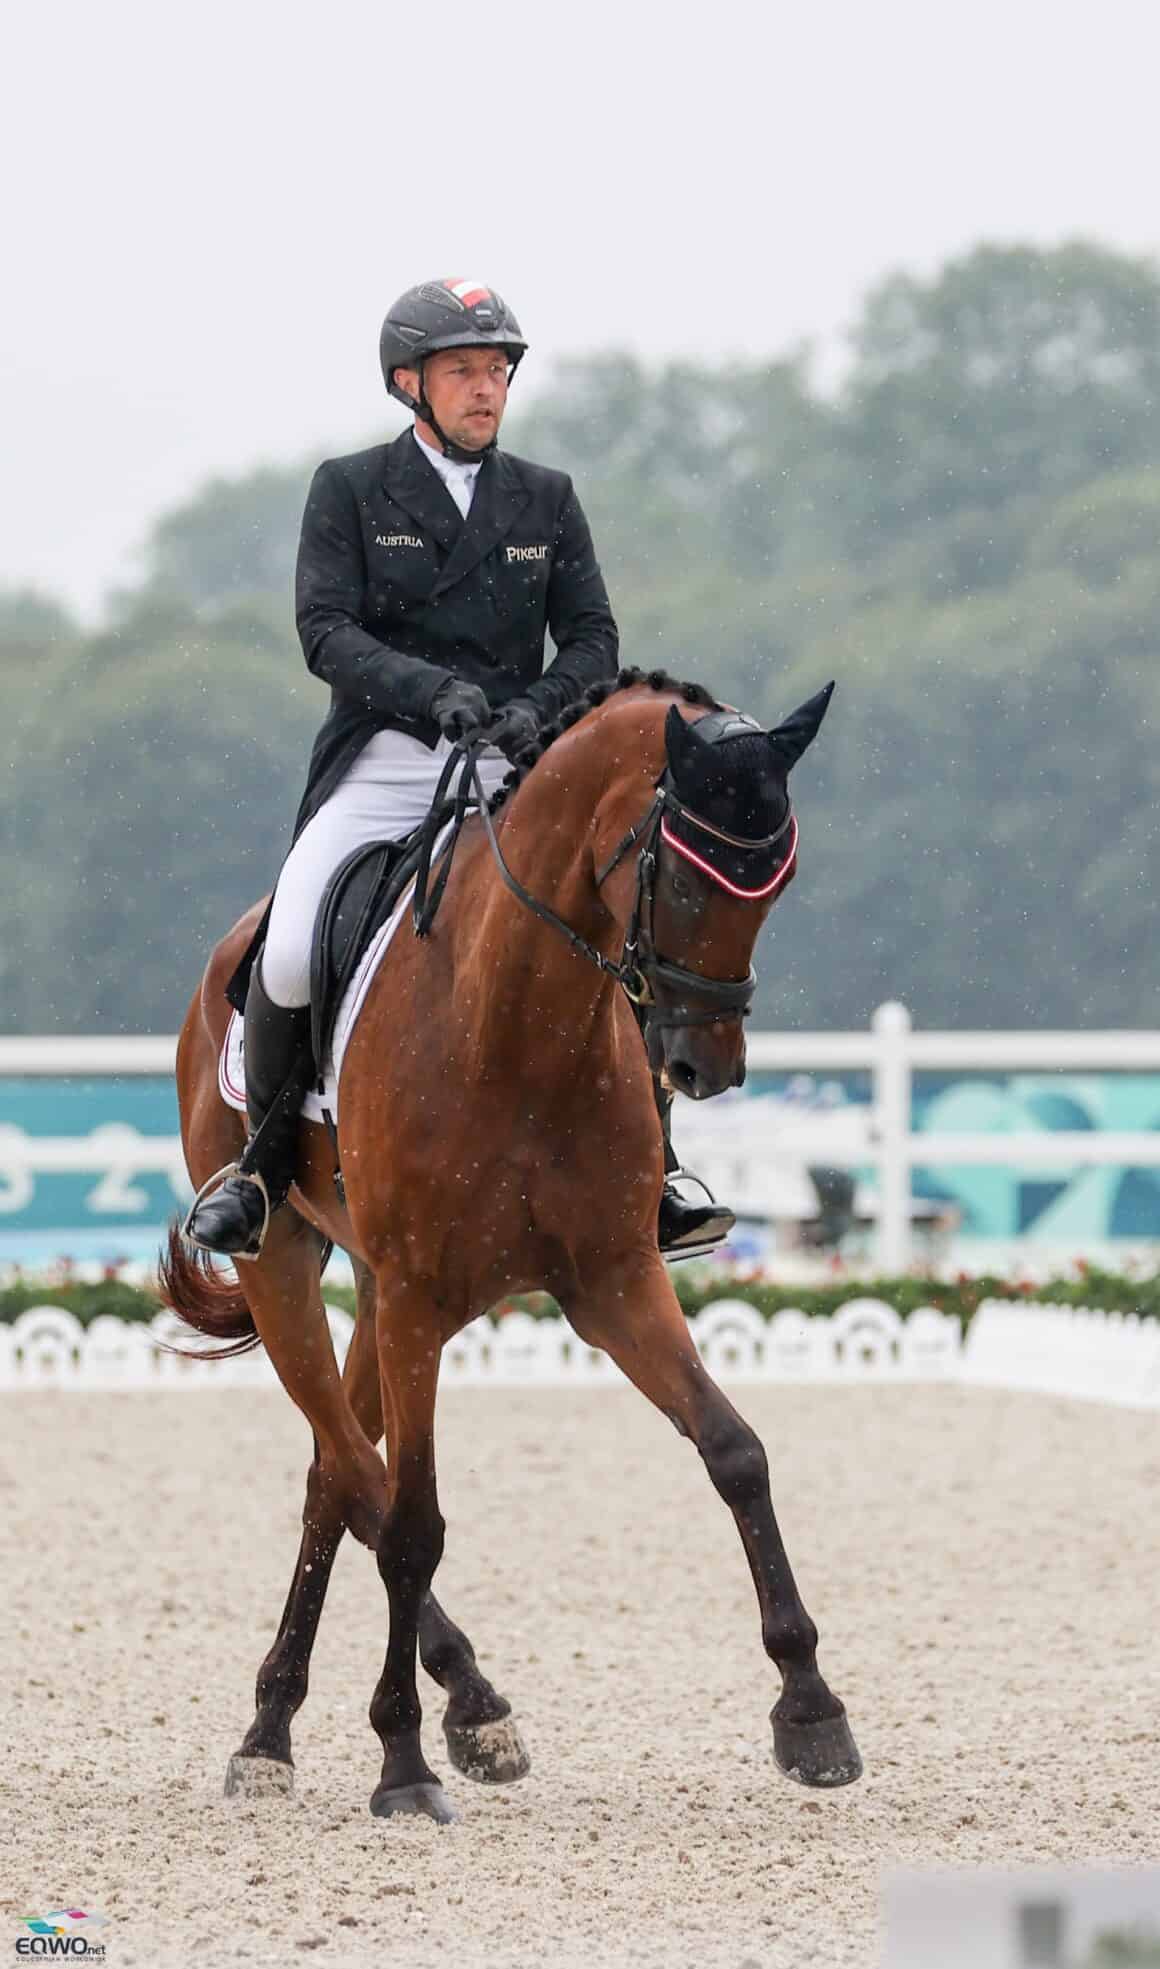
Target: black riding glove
514	727
459	709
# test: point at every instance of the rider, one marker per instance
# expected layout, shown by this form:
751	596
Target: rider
429	570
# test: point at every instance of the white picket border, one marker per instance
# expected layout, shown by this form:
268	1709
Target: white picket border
1058	1350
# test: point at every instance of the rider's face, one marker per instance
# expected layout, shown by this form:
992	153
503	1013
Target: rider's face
467	390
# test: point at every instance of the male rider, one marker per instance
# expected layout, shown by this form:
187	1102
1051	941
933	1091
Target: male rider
429	572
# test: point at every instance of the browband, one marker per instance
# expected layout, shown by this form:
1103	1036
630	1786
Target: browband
749	869
776	881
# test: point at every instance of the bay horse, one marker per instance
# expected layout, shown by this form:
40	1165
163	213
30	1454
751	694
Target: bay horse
495	1078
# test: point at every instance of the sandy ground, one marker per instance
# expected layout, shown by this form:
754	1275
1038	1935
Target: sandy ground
983	1570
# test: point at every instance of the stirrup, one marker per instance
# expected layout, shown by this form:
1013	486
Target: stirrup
692	1251
689	1176
254	1248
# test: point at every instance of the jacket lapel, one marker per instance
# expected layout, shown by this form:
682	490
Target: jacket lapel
498	500
412	483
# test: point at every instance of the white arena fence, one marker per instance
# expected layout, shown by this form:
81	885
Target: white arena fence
891	1050
1052	1350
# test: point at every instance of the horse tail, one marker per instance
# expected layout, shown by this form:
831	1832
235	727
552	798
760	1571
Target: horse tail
191	1285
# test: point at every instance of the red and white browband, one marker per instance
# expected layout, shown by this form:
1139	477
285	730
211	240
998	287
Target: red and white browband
770	888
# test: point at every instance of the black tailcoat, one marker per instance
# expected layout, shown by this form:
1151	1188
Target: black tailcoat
396	592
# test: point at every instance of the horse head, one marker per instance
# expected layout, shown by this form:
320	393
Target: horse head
725	848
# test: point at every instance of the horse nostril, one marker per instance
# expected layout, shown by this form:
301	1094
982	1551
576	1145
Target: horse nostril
683	1077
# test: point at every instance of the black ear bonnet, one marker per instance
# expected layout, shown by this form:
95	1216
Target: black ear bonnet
728	809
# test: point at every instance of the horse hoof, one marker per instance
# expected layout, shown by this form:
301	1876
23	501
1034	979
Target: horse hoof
491	1753
822	1754
426	1801
258	1777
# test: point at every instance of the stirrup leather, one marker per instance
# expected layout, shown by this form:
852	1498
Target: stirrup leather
254	1248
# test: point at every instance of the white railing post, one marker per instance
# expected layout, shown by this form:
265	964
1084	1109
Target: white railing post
891	1025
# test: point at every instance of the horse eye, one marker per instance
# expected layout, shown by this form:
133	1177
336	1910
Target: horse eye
681	888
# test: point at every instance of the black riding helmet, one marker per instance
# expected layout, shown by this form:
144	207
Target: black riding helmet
445	314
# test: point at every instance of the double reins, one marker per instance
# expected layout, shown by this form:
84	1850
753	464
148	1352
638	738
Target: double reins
640	969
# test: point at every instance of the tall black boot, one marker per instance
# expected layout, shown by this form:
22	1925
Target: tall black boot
233	1217
685	1230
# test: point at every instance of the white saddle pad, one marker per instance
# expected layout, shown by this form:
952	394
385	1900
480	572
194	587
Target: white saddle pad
232	1059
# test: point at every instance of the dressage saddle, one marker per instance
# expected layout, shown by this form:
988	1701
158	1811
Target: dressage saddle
360	897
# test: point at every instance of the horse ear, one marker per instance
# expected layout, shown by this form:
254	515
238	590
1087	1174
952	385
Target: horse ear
789	739
681	741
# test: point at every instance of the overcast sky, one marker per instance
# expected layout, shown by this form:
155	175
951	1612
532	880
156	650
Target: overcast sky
208	208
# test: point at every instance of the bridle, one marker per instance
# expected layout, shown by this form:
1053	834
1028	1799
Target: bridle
664	993
721	998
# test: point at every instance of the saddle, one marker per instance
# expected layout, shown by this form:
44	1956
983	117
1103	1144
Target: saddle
357	901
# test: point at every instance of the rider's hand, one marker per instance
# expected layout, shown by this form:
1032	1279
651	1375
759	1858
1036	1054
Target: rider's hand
459	709
514	727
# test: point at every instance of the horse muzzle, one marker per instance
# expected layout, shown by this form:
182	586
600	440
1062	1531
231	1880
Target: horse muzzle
700	1061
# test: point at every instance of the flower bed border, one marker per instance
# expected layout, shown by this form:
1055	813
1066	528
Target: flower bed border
1088	1287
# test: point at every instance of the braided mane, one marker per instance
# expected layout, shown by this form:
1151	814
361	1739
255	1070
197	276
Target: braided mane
578	707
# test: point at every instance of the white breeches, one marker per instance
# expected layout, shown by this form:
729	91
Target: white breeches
385	795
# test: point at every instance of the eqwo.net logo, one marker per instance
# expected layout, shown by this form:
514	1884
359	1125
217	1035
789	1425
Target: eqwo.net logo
67	1932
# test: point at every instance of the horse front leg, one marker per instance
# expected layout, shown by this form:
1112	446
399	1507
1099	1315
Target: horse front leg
635	1316
410	1546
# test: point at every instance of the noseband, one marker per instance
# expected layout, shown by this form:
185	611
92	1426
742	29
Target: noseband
661	989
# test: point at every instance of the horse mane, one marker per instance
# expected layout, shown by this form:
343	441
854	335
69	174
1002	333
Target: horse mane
587	700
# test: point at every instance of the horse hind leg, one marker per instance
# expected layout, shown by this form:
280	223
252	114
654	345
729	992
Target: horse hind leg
346	1484
264	1764
483	1738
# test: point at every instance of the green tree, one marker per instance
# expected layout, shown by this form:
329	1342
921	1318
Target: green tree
966	538
31	622
1124	1948
1017	370
232	545
171	785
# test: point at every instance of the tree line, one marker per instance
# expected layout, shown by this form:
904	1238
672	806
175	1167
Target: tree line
966	536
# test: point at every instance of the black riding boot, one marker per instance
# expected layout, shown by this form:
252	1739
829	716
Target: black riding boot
685	1230
233	1218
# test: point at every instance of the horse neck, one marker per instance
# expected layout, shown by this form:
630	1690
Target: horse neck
592	784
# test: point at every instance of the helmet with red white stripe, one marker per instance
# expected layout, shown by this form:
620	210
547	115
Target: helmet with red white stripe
445	314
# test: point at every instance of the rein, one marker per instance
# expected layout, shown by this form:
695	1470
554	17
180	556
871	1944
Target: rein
640	969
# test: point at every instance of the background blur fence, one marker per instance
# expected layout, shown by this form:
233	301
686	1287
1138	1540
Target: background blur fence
891	1051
